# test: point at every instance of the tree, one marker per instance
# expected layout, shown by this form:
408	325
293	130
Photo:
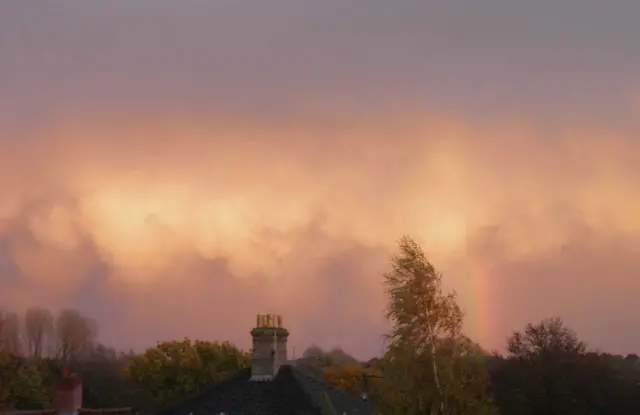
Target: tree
21	384
105	383
175	369
313	352
314	360
315	356
339	357
39	330
75	335
550	337
10	332
350	378
549	371
422	362
468	381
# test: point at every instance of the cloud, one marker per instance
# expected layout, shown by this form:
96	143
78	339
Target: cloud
285	216
590	280
171	182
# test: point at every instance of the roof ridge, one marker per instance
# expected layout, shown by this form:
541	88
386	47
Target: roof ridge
329	387
204	391
301	385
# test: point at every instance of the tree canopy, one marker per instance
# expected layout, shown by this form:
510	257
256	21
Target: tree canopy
174	369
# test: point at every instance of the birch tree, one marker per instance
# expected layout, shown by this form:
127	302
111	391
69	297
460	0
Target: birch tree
426	340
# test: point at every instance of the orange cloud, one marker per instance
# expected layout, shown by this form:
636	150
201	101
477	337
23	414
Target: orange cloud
160	200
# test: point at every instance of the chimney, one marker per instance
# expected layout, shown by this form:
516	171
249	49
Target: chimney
68	397
269	347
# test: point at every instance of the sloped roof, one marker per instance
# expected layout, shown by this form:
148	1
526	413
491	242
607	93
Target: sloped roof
290	393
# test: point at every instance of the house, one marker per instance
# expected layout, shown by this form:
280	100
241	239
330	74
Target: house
271	386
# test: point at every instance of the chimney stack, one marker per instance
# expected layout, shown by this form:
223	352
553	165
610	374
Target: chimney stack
269	347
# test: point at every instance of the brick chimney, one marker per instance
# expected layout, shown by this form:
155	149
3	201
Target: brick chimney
269	347
68	398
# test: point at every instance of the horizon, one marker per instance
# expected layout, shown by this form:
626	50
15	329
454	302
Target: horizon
172	170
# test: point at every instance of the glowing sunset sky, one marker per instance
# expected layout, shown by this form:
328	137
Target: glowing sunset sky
173	168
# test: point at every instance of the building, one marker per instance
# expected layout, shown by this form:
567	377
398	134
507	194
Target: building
271	386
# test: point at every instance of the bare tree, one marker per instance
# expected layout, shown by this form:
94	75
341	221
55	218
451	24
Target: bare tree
75	334
10	333
39	330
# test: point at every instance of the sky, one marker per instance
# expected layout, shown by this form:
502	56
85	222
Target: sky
174	168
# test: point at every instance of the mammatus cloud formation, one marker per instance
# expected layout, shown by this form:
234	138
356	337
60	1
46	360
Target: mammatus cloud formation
172	174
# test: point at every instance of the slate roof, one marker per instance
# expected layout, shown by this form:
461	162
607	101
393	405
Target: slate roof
290	393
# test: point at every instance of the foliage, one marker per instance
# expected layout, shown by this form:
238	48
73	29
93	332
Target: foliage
548	370
351	378
21	382
314	360
106	385
468	382
427	356
175	369
549	338
548	358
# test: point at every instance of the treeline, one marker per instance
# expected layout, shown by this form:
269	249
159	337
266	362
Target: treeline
31	366
546	370
69	335
429	366
36	346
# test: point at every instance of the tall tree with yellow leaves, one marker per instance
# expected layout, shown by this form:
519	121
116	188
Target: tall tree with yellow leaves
427	357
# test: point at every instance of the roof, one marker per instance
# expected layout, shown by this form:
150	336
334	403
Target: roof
291	392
